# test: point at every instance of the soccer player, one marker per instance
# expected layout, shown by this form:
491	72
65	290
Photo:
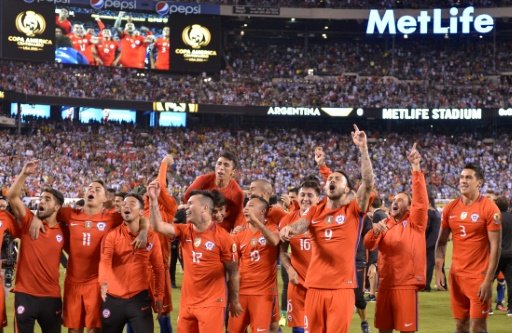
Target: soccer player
475	224
505	262
263	188
106	48
83	44
132	48
124	276
402	260
208	252
222	179
296	264
87	227
118	201
257	249
61	20
161	45
37	289
334	224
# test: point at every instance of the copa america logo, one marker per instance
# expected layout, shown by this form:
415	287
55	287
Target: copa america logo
162	8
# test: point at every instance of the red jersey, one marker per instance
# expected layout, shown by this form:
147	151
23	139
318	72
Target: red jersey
39	259
204	254
300	246
64	25
469	226
107	51
85	235
84	46
124	269
233	194
133	51
335	235
258	262
402	249
162	57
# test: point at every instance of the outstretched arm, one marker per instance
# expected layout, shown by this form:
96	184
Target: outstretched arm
363	193
419	204
297	228
155	217
18	208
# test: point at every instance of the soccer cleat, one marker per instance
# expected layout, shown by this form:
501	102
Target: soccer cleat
372	298
509	312
501	307
365	328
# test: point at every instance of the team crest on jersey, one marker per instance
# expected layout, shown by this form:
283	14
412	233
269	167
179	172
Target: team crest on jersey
197	241
59	238
149	246
101	226
88	224
209	245
496	218
329	219
340	219
20	309
262	241
106	313
474	217
463	215
404	223
254	241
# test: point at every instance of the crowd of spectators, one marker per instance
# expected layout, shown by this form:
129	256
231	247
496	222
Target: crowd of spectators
125	157
365	4
458	73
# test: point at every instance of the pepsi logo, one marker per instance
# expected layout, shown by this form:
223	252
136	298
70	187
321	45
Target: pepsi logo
29	1
162	8
97	4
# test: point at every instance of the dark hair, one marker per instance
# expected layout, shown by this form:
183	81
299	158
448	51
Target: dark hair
292	189
218	198
207	195
432	201
111	190
80	203
349	184
229	156
59	197
479	173
136	196
315	185
502	202
101	182
120	194
266	205
377	202
180	216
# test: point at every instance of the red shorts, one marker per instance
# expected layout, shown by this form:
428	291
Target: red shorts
295	308
464	298
196	320
397	309
257	313
167	300
82	305
328	310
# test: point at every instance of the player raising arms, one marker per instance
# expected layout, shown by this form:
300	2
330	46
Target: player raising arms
334	224
402	255
208	253
37	288
475	224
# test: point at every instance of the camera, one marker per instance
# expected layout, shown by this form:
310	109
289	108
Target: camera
9	256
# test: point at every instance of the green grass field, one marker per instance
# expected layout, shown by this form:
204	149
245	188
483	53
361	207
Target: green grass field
434	313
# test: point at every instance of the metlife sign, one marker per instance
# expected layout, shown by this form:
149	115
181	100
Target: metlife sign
160	7
459	21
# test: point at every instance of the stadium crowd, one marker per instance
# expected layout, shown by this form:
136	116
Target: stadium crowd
281	156
364	3
372	76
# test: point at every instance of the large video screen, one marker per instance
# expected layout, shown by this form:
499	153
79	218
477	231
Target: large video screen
86	115
67	113
31	110
172	119
84	36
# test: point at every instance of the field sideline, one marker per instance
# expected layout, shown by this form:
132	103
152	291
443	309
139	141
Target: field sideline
434	313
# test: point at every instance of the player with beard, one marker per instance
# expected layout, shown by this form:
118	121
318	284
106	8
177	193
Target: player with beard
132	48
37	289
402	255
335	223
222	179
209	253
124	275
475	224
162	45
257	249
83	44
87	227
296	264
